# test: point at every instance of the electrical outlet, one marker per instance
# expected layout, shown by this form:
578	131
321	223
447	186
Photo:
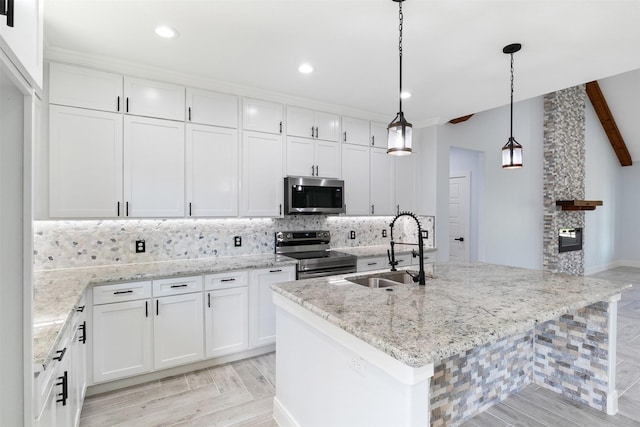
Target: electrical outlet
384	233
140	246
352	234
357	364
237	241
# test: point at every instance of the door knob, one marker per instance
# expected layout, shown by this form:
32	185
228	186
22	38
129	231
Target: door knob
460	239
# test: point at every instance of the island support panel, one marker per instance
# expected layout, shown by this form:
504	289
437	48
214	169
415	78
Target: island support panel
576	355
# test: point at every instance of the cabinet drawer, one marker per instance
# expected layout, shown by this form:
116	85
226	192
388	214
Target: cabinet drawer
373	263
106	294
177	286
404	260
232	279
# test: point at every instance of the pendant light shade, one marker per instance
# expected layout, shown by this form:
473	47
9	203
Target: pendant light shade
399	131
511	151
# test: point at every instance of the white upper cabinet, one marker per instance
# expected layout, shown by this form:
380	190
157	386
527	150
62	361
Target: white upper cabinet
22	42
262	183
262	116
382	182
407	183
378	135
307	157
355	173
154	99
85	88
153	167
355	131
313	124
212	108
212	171
85	163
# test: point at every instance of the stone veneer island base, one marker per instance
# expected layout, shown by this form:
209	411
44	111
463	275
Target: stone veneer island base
440	354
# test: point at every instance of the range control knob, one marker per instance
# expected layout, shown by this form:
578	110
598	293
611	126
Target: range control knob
279	235
288	236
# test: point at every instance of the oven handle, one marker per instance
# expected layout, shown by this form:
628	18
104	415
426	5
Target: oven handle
324	273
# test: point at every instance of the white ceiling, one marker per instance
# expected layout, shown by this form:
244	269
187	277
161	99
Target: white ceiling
453	60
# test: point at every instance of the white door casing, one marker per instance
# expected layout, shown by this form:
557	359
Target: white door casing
459	204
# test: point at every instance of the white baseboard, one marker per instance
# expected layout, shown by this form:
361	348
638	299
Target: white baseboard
602	267
282	416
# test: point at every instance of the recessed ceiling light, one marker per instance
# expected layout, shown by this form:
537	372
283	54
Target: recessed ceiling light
166	32
405	95
305	68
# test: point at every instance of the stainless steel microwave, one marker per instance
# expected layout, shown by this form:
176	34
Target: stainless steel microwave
304	195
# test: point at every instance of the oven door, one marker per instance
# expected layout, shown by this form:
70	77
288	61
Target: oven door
324	272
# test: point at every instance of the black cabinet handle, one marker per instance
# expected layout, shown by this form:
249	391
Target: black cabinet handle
373	263
189	113
228	280
372	209
157	308
118	104
80	309
129	291
146	309
345	136
189	208
316	131
280	208
127	106
373	140
83	338
275	271
460	239
184	285
312	132
209	300
280	127
313	170
127	208
64	394
8	12
60	354
118	210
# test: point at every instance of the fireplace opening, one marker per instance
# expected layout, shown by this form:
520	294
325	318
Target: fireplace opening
569	239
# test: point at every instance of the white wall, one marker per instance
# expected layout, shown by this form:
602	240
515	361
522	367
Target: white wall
628	232
510	219
602	182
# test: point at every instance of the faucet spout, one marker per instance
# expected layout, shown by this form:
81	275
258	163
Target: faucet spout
420	278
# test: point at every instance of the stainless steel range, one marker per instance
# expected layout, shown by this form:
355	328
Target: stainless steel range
311	249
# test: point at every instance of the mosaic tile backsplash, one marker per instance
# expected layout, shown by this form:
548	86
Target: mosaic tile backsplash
65	244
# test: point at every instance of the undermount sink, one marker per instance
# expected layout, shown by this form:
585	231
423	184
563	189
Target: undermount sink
382	280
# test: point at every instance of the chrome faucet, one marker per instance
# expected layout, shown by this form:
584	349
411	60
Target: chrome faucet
420	277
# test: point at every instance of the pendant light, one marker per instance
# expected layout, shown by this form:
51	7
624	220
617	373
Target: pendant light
399	130
512	151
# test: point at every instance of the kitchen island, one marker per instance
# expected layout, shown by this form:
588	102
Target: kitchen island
440	354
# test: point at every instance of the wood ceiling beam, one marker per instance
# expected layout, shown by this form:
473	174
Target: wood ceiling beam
460	119
608	123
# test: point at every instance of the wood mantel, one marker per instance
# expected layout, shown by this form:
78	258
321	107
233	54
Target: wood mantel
578	205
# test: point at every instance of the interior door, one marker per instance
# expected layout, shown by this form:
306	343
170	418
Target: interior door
459	218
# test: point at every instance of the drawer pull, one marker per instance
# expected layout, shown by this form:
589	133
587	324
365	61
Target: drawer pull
275	271
228	280
372	263
80	309
123	292
209	300
184	285
60	354
83	338
64	394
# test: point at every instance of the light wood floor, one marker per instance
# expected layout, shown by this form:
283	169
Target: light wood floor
241	393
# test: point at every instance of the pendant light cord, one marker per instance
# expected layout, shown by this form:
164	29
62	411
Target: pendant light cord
511	130
400	52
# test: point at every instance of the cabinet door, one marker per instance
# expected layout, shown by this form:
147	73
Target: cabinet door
262	312
85	88
355	131
212	171
153	167
300	157
262	179
153	99
262	116
355	173
300	122
407	183
378	135
178	328
24	39
226	321
85	163
327	126
327	159
382	182
121	340
212	108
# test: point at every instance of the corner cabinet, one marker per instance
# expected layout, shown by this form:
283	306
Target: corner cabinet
262	313
262	184
211	171
153	167
85	163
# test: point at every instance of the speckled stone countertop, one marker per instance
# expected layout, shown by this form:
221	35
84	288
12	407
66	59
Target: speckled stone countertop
464	306
57	292
378	250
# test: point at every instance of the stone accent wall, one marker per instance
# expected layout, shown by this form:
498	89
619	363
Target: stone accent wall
470	382
572	355
564	174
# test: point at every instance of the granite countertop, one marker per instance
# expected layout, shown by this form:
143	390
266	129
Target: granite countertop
58	292
464	306
378	250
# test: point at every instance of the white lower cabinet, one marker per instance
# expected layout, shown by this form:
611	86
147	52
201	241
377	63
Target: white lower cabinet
177	330
372	263
226	321
262	312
